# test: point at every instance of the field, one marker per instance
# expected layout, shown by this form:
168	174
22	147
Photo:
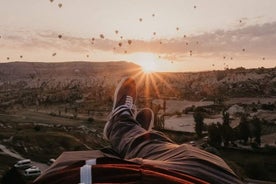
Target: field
44	115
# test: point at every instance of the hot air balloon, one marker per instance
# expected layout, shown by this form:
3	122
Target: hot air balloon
87	55
60	36
177	28
243	50
121	37
140	19
54	54
194	6
154	33
125	51
120	44
116	31
8	58
129	42
160	42
59	5
51	1
21	56
101	36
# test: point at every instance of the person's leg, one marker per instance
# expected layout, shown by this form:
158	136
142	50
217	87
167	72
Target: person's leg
125	134
131	141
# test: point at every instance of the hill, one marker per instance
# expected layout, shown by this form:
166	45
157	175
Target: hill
36	74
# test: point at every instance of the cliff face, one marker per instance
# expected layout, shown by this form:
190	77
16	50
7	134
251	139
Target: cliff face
228	83
55	75
31	83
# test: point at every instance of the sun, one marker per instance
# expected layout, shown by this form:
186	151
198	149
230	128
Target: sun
148	67
147	61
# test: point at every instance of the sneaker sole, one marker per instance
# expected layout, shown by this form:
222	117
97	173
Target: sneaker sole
152	119
117	90
114	103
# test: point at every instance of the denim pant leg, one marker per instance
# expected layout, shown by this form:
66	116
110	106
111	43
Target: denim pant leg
130	140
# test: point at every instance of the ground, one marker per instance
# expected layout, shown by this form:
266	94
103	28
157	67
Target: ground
42	135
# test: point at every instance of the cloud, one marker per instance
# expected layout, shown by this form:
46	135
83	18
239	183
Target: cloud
255	41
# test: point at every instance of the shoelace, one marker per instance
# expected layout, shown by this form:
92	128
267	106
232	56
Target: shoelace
128	105
129	102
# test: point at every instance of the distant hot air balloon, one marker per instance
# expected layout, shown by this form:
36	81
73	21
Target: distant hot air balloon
21	56
8	58
140	19
101	36
54	54
160	42
194	6
120	44
51	1
116	31
224	57
184	36
129	42
153	15
125	51
154	33
177	28
231	58
60	36
263	58
59	5
191	52
187	43
87	55
121	37
243	50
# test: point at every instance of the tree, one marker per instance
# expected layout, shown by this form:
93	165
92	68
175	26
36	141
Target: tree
226	130
214	136
258	129
244	130
198	118
226	117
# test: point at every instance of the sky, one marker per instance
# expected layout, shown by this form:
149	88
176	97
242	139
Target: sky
160	35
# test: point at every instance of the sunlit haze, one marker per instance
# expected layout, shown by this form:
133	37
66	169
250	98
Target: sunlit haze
167	35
